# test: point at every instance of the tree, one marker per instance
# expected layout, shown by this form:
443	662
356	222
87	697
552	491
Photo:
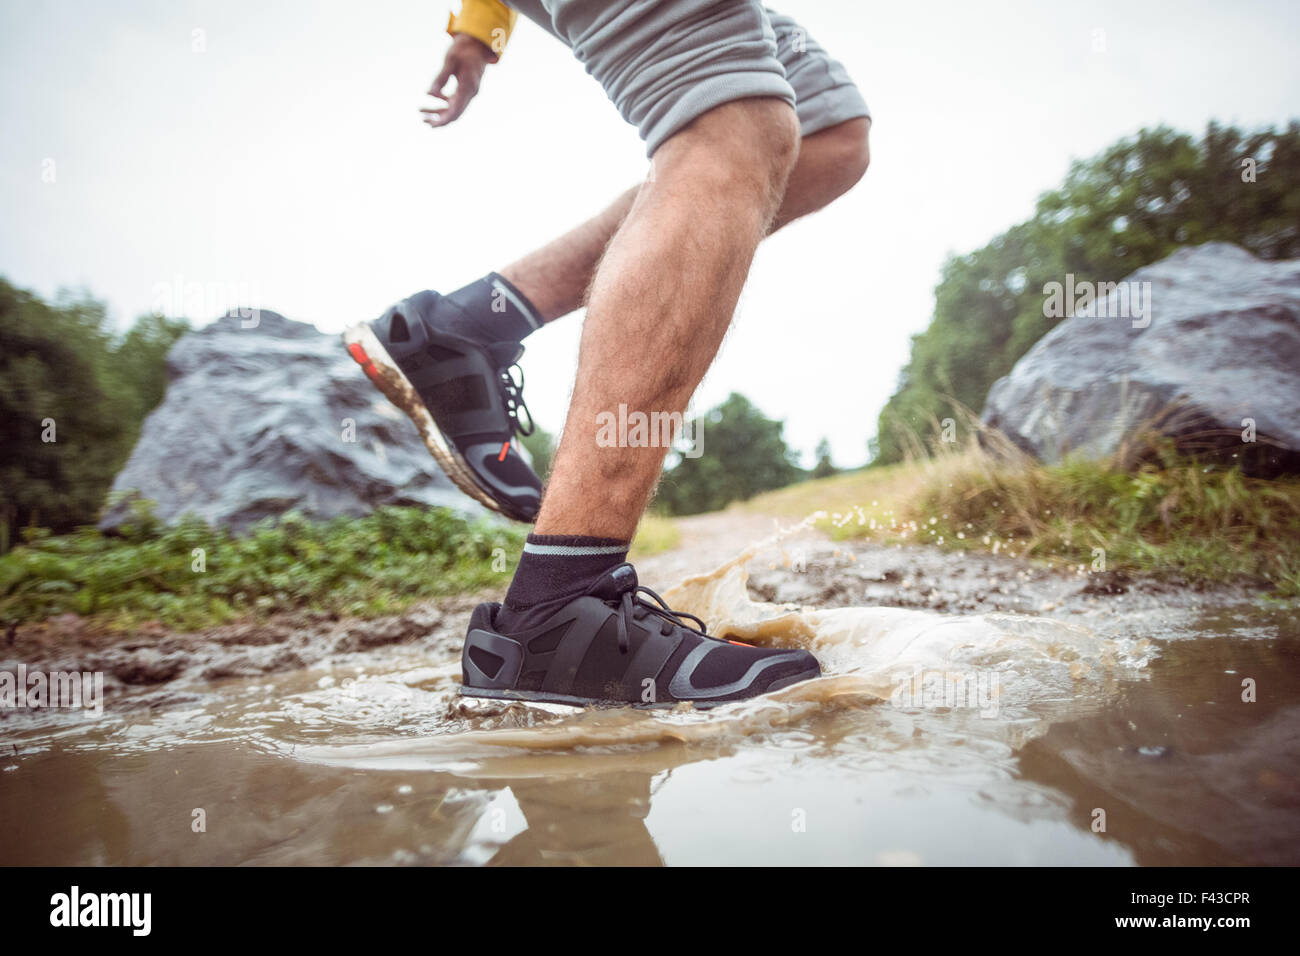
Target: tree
824	467
140	362
72	398
742	453
1134	204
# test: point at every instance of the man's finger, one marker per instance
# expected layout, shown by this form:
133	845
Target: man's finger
440	82
455	107
436	118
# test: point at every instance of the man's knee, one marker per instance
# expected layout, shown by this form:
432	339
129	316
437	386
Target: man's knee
849	144
771	140
748	143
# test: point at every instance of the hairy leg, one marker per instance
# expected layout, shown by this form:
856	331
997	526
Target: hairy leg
661	300
555	277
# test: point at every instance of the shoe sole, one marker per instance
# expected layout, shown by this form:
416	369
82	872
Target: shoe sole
543	697
368	352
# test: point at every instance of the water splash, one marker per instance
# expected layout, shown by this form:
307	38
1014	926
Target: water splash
869	656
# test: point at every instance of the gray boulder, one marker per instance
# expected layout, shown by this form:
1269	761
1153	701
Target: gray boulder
1196	347
255	423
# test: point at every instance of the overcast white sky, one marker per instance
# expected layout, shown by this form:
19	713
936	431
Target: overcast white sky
285	164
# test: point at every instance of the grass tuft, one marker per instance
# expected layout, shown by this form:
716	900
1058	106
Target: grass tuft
1176	517
378	564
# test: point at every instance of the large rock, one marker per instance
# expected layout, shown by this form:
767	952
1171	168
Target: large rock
254	424
1220	344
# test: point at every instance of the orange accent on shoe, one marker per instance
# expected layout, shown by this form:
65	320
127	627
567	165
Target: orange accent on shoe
505	447
367	366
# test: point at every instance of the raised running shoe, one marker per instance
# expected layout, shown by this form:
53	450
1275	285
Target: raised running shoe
466	399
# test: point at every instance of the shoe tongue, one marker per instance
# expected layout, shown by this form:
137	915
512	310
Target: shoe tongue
504	354
611	585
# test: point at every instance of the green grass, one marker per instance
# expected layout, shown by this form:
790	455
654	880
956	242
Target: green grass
367	566
1179	518
655	534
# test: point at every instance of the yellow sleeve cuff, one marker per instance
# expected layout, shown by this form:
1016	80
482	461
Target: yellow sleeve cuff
489	21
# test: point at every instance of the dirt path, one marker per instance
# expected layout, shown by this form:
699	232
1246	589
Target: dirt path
807	567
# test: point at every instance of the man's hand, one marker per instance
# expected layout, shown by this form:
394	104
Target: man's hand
466	60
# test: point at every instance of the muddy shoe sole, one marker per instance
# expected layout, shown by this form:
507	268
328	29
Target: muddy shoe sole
542	697
368	352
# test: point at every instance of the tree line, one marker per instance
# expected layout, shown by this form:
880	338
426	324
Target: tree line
73	395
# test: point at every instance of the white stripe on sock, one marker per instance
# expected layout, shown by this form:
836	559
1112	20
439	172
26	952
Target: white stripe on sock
571	550
514	299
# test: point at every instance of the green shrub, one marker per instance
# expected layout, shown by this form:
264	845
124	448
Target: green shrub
191	576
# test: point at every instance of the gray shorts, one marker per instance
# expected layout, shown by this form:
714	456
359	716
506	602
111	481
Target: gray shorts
664	62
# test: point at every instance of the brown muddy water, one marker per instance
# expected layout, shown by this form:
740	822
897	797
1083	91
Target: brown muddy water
975	710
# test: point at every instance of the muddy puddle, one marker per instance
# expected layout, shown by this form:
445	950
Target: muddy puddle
973	710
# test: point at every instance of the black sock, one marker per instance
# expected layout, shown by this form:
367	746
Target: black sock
487	311
553	570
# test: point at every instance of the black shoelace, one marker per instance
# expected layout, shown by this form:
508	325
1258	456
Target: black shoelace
633	605
512	392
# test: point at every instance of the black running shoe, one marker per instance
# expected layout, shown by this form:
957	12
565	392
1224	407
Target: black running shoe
463	397
612	646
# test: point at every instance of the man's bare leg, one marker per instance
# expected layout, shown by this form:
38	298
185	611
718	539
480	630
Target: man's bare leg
661	300
555	277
